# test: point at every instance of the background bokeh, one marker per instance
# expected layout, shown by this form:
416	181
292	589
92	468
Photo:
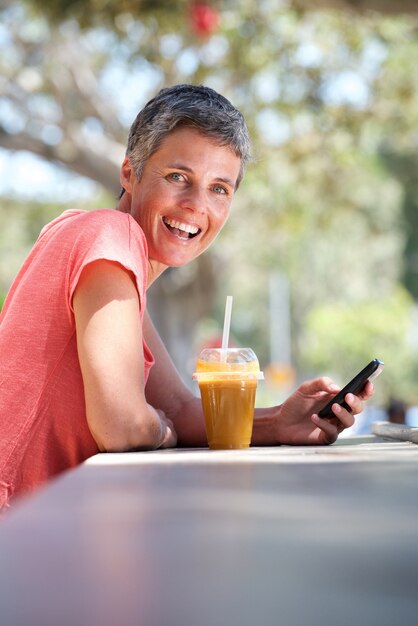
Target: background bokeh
321	250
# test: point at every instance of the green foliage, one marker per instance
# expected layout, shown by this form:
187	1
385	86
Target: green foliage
340	338
90	13
404	166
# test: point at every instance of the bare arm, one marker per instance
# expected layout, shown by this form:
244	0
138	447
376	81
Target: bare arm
109	342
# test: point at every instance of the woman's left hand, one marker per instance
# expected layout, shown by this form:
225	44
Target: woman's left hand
297	421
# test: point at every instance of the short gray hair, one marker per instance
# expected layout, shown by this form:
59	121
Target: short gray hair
192	106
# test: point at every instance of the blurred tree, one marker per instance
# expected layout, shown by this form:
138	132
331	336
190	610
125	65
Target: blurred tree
405	167
322	93
387	330
203	15
393	7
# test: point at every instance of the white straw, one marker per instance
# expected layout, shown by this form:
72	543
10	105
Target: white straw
227	322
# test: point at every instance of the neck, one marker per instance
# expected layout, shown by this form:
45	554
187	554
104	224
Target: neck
155	269
124	204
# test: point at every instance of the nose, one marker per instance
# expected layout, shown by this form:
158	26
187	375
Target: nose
194	199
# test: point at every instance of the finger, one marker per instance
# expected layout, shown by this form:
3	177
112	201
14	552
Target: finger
170	438
345	417
329	430
367	392
324	383
356	405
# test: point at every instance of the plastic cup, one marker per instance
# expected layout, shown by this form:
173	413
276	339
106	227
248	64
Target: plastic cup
227	379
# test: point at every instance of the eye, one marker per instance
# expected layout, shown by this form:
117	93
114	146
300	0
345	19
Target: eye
219	189
176	176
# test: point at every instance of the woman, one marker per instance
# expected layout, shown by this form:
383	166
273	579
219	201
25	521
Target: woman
83	369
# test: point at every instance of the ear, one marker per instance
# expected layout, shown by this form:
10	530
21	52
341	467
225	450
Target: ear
126	175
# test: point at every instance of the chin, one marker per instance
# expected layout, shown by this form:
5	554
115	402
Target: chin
178	260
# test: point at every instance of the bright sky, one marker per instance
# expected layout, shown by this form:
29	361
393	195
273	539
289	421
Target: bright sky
27	176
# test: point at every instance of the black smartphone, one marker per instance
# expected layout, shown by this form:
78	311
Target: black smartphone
355	386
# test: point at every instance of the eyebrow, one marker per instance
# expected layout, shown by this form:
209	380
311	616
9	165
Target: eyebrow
186	168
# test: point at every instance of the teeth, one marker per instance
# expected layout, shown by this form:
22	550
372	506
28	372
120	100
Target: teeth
188	228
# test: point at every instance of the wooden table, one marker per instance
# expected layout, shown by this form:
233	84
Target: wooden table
268	536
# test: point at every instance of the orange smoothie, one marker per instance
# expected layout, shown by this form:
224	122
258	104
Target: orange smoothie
227	388
228	407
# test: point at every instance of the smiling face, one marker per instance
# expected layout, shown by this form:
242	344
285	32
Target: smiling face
183	198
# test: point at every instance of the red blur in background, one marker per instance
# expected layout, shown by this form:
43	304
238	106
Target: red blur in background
204	19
